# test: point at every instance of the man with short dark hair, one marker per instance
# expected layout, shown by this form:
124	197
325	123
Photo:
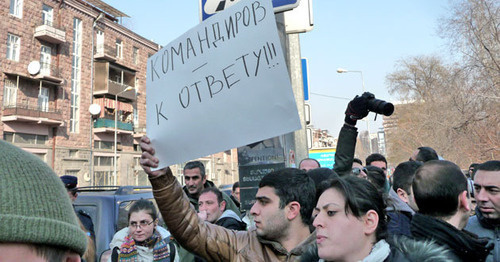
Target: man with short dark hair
213	209
377	160
472	169
235	193
307	164
196	180
401	201
281	214
402	179
486	222
424	154
441	193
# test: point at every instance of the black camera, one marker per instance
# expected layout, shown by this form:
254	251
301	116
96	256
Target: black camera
378	106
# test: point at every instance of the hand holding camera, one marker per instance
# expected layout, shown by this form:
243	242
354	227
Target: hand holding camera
360	106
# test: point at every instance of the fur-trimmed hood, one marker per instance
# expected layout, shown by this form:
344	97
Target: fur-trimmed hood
402	249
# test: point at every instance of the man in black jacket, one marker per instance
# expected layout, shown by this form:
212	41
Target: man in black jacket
443	199
212	209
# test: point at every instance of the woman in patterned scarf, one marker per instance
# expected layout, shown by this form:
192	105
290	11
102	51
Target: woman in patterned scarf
143	240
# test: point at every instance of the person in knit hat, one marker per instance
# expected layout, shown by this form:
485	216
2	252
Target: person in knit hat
37	221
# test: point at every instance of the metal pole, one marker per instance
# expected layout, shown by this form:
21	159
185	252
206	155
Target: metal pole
91	158
366	120
116	123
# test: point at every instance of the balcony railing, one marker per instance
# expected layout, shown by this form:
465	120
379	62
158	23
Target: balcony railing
105	52
50	72
110	123
115	88
33	111
47	69
48	32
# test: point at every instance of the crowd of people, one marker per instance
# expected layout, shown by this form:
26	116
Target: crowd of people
424	212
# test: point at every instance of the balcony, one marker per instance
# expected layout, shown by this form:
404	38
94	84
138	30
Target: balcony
105	52
111	87
111	79
104	125
50	72
32	114
49	33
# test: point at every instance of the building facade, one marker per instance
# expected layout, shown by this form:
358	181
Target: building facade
60	57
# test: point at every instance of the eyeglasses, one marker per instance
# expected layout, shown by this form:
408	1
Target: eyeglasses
356	171
141	224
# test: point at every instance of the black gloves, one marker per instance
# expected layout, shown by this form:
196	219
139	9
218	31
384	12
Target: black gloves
357	108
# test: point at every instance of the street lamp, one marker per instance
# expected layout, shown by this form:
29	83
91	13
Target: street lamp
116	128
341	71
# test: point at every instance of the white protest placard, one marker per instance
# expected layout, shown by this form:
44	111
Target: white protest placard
221	85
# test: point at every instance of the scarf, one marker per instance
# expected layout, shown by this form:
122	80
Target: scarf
129	253
380	251
464	244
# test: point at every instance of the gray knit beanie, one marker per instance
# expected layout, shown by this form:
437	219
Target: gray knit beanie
34	205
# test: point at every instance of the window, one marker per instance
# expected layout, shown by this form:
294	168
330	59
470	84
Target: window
9	137
75	76
16	8
23	138
103	178
119	48
9	93
43	99
73	153
135	55
47	15
103	161
99	42
13	46
103	144
42	156
136	117
118	78
45	57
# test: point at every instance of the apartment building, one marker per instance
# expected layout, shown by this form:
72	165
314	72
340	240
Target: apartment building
56	59
59	57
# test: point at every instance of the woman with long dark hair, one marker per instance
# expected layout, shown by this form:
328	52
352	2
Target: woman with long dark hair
351	225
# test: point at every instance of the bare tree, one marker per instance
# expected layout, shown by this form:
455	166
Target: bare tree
454	108
441	111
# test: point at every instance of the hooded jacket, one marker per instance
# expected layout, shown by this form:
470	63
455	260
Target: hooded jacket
397	249
463	245
231	220
400	215
483	227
